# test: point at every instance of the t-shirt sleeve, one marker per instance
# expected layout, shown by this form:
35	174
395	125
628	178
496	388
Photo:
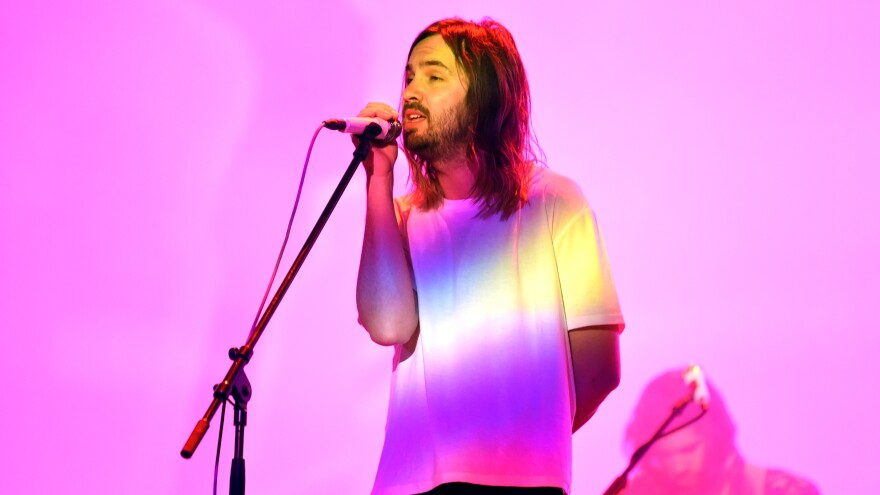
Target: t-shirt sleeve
402	208
588	292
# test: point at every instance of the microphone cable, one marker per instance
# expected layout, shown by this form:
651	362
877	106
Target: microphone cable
299	189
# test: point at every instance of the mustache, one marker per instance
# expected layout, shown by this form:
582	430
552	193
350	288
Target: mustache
417	107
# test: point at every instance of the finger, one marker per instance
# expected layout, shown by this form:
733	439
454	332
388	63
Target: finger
379	110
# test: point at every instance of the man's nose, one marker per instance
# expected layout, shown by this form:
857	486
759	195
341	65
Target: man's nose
412	92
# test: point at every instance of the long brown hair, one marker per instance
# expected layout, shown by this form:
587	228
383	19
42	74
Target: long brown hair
503	150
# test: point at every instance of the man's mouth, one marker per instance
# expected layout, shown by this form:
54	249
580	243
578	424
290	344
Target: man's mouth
413	116
414	113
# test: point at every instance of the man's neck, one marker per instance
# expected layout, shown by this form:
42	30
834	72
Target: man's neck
455	176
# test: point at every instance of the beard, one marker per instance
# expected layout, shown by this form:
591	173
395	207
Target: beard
445	135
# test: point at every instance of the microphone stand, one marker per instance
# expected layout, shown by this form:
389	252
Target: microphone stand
620	483
235	382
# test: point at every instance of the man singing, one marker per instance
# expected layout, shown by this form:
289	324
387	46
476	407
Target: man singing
489	278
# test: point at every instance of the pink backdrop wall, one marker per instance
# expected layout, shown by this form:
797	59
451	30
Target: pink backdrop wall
148	159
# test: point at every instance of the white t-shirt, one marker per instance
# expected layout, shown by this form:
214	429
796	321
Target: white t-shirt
484	394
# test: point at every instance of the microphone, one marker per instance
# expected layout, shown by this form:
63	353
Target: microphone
694	377
358	125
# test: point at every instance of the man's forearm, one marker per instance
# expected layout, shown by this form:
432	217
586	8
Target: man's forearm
385	297
595	357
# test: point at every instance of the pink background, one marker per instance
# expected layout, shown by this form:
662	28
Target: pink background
150	153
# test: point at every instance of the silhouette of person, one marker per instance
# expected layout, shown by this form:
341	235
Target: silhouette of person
701	458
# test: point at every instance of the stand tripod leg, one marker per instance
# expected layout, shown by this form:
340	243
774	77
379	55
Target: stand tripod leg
237	472
241	393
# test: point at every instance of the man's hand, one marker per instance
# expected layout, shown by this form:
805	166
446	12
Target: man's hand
380	161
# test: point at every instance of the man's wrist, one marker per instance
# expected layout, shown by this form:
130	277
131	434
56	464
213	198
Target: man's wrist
380	180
